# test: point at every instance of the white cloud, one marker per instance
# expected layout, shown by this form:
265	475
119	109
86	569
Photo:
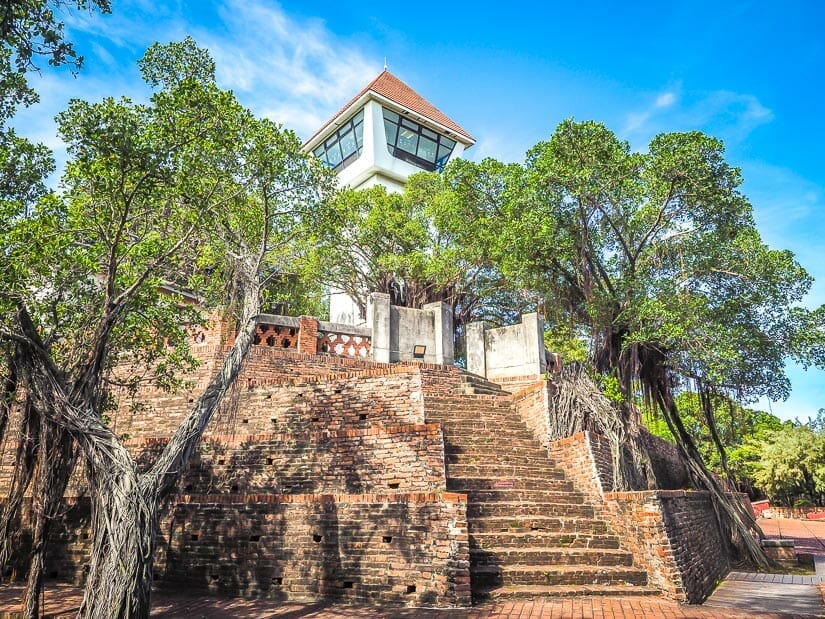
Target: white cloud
665	99
296	72
730	115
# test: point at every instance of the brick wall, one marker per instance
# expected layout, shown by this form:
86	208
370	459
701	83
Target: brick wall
401	549
372	460
533	406
263	405
673	534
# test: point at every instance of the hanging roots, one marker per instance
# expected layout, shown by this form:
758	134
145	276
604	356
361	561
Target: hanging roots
578	405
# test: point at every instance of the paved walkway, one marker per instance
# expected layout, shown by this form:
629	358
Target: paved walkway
742	596
63	600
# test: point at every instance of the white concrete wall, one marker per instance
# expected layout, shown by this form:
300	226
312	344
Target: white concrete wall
504	352
396	331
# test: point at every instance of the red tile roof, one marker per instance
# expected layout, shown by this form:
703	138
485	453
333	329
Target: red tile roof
389	86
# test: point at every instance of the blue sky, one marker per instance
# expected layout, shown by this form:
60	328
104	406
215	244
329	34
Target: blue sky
751	73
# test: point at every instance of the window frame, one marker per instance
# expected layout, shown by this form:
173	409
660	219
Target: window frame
332	143
393	128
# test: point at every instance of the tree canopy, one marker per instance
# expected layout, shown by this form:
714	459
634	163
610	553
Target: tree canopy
187	192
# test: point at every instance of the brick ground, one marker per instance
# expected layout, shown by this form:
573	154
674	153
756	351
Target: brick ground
808	535
62	600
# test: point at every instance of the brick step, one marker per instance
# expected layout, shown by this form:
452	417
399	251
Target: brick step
525	539
478	457
520	495
480	390
555	575
536	482
481	427
500	399
469	410
531	523
484	509
549	556
474	416
469	378
486	445
538	591
510	471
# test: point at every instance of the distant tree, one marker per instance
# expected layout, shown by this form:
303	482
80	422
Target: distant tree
190	189
791	465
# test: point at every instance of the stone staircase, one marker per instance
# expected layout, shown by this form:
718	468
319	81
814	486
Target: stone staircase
531	533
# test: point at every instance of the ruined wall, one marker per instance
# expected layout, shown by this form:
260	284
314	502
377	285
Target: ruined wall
674	534
318	478
400	549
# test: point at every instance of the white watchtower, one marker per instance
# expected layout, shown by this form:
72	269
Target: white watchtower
383	135
386	133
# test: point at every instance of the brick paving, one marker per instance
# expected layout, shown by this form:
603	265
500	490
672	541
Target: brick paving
62	601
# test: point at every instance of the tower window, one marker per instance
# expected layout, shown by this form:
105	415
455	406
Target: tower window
345	145
414	143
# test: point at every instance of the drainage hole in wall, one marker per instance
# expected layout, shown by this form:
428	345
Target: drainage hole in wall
410	588
194	537
387	539
221	461
316	538
84	535
348	584
362	416
234	489
191	400
277	581
394	485
254	538
244	420
273	421
268	396
315	419
269	460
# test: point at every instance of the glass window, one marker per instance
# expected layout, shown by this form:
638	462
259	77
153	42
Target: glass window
348	145
409	141
392	131
334	155
426	148
345	145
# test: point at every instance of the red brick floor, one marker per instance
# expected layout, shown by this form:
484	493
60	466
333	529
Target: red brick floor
808	535
62	600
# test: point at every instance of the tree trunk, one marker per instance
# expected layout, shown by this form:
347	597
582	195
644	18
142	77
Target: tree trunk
125	504
731	514
25	459
56	460
119	584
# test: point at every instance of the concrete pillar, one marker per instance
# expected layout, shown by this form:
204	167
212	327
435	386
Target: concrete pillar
307	335
476	349
380	322
534	343
443	315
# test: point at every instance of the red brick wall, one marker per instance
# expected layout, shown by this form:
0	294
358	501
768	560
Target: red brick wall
401	549
673	534
533	405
